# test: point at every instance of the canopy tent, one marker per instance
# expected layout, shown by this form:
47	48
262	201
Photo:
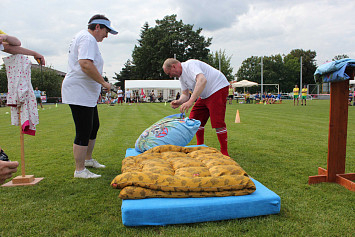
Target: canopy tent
152	84
166	88
244	83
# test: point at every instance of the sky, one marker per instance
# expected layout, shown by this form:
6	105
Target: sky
240	28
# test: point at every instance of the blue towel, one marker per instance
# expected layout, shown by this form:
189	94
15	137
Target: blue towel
333	71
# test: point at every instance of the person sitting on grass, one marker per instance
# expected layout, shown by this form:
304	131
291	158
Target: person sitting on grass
257	98
247	98
279	99
263	98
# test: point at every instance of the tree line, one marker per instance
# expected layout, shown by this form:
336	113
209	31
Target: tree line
46	80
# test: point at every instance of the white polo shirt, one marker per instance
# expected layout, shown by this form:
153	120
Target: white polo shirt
78	88
215	79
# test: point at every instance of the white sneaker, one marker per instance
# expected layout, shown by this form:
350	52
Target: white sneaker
93	163
86	174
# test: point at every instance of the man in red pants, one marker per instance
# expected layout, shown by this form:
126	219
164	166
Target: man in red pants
209	88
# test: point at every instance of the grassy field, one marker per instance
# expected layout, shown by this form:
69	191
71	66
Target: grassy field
278	145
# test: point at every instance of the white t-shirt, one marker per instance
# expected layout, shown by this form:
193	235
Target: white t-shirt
120	93
215	79
128	94
78	88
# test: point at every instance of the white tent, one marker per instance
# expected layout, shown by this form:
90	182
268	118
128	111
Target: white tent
244	83
166	88
152	84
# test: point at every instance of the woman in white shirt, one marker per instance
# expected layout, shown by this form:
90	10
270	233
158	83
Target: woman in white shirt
81	89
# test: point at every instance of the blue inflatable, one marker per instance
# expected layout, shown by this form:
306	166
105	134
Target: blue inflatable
171	130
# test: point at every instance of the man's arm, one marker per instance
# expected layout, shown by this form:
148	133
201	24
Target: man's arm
201	82
11	40
89	68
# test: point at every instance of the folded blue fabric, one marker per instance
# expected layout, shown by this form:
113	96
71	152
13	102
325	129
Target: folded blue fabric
171	130
333	71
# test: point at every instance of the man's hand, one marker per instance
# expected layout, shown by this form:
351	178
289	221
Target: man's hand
184	108
39	58
175	104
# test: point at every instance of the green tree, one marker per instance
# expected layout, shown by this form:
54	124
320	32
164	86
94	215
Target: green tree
226	69
127	73
282	70
3	79
47	80
250	70
338	57
308	67
167	38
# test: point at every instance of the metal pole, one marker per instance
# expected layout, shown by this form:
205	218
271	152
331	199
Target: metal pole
301	74
262	79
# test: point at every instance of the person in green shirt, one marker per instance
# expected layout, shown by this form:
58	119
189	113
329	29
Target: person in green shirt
296	90
231	94
304	95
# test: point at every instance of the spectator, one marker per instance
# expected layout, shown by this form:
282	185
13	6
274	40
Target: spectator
120	95
257	98
178	96
160	98
279	98
231	94
38	96
152	96
350	97
264	98
247	97
128	96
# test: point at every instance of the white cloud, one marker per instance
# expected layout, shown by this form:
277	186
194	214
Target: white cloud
242	28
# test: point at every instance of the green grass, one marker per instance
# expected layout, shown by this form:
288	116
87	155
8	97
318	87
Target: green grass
279	145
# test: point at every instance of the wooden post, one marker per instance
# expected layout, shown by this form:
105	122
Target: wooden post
24	179
338	122
23	172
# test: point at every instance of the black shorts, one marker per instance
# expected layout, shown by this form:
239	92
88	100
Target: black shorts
87	123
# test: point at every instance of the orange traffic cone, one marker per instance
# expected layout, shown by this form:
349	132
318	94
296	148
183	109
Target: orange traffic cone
237	118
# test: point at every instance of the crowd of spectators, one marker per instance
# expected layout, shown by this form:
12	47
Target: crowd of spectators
265	98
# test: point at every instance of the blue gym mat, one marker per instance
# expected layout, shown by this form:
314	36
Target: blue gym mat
166	211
